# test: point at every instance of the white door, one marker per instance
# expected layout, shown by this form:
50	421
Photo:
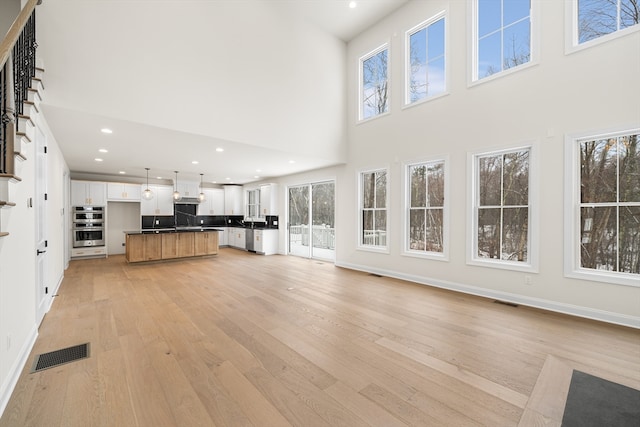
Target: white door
41	226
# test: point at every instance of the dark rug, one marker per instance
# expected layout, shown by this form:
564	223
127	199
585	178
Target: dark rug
593	401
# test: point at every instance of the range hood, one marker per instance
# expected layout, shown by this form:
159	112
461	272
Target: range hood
187	201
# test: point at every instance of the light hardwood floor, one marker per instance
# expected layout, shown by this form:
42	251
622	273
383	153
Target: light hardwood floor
247	340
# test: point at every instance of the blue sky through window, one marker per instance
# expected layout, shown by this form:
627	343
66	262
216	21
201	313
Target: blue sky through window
426	62
504	35
375	84
597	18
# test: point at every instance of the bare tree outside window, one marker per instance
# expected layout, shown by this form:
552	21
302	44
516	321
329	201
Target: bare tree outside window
610	204
503	206
426	210
597	18
426	61
374	208
375	84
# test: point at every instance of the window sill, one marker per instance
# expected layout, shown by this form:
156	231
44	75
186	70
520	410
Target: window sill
504	265
425	100
376	249
502	74
624	279
574	47
369	119
435	256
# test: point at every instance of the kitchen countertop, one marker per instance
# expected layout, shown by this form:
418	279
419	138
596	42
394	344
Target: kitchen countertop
171	230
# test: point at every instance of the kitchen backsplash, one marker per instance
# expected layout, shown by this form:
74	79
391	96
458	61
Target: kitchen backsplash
168	221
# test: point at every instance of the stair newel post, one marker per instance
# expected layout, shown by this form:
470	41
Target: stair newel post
8	118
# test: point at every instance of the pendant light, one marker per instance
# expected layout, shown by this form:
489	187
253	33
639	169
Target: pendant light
176	194
201	197
147	194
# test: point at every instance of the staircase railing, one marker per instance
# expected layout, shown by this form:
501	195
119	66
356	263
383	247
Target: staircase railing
17	68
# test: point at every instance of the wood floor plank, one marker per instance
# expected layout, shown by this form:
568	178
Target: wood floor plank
240	340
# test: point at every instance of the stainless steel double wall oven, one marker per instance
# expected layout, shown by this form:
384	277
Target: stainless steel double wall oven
88	226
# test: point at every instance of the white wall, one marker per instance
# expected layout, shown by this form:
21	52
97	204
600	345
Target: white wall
9	10
563	94
121	216
18	326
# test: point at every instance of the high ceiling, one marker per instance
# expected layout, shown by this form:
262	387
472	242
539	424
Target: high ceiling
175	80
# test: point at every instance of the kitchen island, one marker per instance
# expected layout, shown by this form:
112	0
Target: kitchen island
170	243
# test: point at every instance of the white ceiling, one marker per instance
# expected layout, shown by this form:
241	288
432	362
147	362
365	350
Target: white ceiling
176	79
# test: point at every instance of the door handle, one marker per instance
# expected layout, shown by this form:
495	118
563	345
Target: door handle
38	252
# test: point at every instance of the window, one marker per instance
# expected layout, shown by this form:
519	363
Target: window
373	203
374	90
597	18
606	206
426	60
253	203
502	219
502	35
426	208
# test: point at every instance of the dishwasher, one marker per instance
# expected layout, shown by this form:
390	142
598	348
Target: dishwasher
249	239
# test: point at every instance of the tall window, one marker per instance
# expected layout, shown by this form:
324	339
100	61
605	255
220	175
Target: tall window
503	35
597	18
373	190
610	204
502	214
426	208
253	203
374	90
426	60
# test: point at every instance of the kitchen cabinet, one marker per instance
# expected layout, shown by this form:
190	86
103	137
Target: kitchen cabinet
177	245
206	243
265	242
162	202
214	202
88	193
268	199
188	189
89	251
122	192
143	247
233	200
223	237
237	238
162	246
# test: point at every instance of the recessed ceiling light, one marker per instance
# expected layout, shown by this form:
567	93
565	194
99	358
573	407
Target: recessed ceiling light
219	150
227	179
258	170
352	5
214	182
106	130
97	159
122	172
195	162
158	177
292	161
103	150
256	176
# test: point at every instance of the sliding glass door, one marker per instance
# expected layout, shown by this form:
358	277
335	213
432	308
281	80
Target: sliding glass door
312	220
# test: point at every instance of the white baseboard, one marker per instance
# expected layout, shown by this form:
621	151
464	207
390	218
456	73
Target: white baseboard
559	307
16	369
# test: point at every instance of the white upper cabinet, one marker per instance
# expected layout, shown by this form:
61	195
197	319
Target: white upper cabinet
88	193
268	199
213	203
233	200
188	189
162	202
121	192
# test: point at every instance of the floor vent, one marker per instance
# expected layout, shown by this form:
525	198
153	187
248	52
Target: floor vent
510	304
60	357
374	275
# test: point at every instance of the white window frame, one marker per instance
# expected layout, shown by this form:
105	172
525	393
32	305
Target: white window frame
361	60
531	266
571	31
534	18
572	268
407	59
359	231
406	251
